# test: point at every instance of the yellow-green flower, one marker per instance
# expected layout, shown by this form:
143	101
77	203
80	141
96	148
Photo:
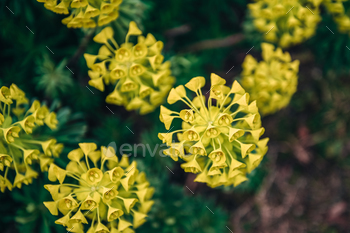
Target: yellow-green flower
270	82
219	139
286	22
85	13
98	190
340	14
140	78
19	152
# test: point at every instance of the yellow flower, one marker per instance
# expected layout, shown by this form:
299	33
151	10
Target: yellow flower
340	14
271	82
285	22
219	140
85	13
108	194
19	152
141	80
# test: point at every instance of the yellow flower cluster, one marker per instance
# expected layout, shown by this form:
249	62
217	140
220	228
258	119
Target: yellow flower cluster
286	22
340	16
18	151
271	82
108	194
220	140
141	79
85	13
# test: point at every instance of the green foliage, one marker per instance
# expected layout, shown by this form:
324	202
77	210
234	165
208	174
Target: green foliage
52	80
320	106
332	51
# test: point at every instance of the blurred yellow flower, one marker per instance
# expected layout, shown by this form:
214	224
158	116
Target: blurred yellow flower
85	13
107	194
340	14
271	82
19	152
141	80
220	140
286	22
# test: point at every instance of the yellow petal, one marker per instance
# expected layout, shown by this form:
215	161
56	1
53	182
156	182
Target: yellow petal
75	155
113	213
246	148
150	40
87	147
139	219
94	176
237	88
97	83
216	80
191	166
52	206
176	94
123	224
104	35
101	228
235	133
133	30
196	83
63	221
124	162
129	203
90	59
78	217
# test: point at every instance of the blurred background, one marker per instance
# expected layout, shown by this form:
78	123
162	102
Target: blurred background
303	183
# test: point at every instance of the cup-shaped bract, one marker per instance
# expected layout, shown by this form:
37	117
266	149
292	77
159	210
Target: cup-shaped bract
272	81
100	191
220	137
285	22
140	78
20	151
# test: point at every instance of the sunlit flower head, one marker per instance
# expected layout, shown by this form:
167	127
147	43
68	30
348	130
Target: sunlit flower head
286	22
21	153
85	13
140	78
97	193
270	82
220	137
